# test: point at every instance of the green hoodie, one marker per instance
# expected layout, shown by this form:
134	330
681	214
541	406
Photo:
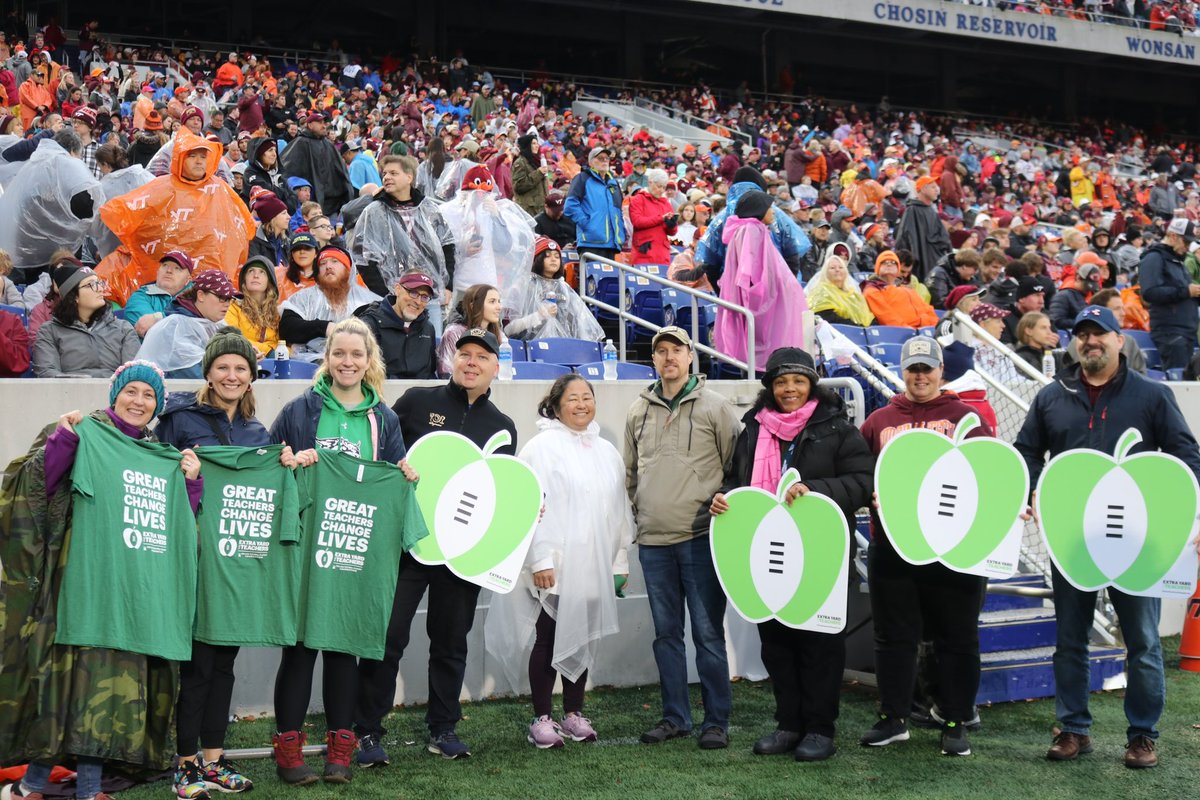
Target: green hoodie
354	430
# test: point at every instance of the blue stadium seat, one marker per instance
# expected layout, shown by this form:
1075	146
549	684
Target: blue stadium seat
647	304
887	352
1141	337
677	305
570	352
927	331
1175	374
287	370
19	311
538	371
601	282
852	332
889	334
1156	374
119	313
520	353
1064	339
625	371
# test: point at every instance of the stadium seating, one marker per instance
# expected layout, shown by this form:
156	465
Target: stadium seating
519	351
538	371
854	333
19	311
625	371
568	352
290	369
889	334
887	352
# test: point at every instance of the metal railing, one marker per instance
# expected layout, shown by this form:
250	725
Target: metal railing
748	366
690	119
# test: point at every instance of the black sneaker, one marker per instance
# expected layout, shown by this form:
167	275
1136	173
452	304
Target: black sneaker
776	743
371	752
954	740
973	724
448	745
922	717
815	747
884	732
664	730
714	738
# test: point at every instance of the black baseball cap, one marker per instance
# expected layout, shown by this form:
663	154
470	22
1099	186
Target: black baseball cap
480	336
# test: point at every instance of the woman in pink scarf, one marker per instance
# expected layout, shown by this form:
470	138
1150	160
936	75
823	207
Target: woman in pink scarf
795	423
757	277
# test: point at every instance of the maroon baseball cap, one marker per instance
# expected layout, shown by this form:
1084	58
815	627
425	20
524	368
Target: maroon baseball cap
959	292
181	258
214	281
314	117
415	279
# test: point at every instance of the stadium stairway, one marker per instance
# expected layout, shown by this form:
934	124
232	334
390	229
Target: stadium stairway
628	114
1016	644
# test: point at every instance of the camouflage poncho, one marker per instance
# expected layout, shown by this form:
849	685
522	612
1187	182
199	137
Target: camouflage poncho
59	701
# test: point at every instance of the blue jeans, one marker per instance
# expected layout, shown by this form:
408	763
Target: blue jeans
435	316
1146	693
676	574
87	777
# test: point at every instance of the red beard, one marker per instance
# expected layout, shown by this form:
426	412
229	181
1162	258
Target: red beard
335	287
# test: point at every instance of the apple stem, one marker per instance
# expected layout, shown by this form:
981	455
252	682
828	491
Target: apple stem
789	479
496	442
1128	439
965	425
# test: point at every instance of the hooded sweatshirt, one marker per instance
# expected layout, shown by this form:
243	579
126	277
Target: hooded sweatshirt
347	430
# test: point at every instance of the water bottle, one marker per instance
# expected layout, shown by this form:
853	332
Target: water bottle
610	361
1048	364
506	364
281	351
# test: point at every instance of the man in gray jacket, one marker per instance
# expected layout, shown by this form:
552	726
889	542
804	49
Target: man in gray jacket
679	439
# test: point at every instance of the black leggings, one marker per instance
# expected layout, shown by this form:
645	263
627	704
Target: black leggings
542	673
205	693
293	687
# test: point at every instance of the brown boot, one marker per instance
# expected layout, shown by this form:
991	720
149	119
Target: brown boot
1069	745
289	759
1139	753
339	749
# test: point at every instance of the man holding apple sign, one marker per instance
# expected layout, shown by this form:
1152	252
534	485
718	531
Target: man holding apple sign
1090	406
910	600
461	406
679	442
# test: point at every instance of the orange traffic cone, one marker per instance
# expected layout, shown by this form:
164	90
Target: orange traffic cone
1189	644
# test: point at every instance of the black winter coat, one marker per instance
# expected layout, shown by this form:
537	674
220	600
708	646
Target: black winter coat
832	457
297	422
409	349
427	409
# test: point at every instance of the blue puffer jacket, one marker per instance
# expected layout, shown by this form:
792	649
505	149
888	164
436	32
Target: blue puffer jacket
1164	281
185	423
1062	418
297	426
594	204
791	241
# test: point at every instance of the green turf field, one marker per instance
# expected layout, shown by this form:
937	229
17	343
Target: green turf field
1008	761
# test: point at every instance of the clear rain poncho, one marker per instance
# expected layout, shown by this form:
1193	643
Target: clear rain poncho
584	536
35	210
9	169
401	238
115	184
177	341
311	304
527	306
493	239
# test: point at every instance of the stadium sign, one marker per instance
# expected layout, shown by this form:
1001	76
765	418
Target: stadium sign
1017	27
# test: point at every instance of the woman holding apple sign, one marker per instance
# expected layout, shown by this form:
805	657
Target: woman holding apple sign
565	603
796	424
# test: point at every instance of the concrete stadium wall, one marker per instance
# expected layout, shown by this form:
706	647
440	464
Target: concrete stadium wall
625	660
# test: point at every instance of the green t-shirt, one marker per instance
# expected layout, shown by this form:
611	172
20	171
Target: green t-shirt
249	560
130	581
358	517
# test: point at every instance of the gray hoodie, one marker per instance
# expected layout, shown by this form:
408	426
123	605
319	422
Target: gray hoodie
78	350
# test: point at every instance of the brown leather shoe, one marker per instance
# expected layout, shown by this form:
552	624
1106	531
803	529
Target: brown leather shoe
1069	745
1139	753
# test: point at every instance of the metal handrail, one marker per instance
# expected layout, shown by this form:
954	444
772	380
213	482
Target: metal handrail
748	366
688	118
1021	364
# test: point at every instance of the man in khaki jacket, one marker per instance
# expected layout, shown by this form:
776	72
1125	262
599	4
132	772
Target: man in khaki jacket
679	439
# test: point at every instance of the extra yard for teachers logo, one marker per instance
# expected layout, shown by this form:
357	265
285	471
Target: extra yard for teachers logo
245	521
144	512
344	534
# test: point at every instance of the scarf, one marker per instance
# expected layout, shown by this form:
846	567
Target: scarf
774	427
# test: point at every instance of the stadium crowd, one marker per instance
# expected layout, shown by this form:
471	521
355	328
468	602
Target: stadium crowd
405	220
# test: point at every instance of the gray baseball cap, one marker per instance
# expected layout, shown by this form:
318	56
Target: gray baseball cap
921	350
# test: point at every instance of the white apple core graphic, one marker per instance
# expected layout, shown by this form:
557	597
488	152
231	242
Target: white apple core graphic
1114	523
947	501
777	558
465	509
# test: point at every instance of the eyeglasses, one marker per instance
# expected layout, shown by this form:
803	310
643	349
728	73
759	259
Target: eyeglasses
420	297
323	225
95	286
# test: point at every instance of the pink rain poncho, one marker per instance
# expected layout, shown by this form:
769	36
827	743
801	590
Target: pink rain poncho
757	277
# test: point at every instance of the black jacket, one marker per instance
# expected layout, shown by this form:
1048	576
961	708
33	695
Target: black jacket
1063	418
185	423
257	176
409	348
832	457
1065	306
561	230
426	409
942	280
1164	281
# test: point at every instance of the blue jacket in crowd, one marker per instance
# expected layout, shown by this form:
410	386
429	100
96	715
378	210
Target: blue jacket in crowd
594	204
186	423
1063	418
1164	281
710	253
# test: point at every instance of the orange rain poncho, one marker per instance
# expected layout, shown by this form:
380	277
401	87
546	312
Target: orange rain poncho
203	218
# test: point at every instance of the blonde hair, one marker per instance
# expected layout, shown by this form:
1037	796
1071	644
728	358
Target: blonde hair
6	263
376	374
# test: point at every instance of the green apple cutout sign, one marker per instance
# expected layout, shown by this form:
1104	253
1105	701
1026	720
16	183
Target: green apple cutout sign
783	562
953	500
1121	520
459	493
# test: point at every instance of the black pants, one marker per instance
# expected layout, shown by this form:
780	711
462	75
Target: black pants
806	673
205	693
448	619
910	602
542	673
293	687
